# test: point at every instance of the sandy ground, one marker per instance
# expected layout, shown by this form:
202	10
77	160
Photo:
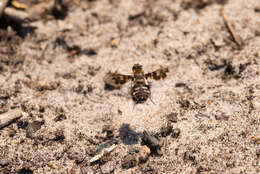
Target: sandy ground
210	100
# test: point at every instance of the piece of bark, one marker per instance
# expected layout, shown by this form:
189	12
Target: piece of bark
9	117
16	15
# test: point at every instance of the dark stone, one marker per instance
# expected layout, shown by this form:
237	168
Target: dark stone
172	117
165	131
25	171
33	127
22	124
59	136
129	161
176	133
60	117
152	142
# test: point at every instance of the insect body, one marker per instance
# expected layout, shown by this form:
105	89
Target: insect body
141	88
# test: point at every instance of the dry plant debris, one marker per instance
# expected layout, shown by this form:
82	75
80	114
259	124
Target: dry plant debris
9	117
104	152
54	55
235	36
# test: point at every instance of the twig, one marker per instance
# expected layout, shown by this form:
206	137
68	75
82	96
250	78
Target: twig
16	15
3	4
231	30
9	117
103	153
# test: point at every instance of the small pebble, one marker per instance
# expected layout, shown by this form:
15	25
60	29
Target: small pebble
189	156
258	153
256	139
152	142
108	167
59	136
176	133
165	131
222	117
144	153
109	130
172	117
129	161
52	165
32	128
4	162
60	117
12	132
76	154
114	42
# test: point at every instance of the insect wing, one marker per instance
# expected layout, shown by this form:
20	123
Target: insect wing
158	74
117	80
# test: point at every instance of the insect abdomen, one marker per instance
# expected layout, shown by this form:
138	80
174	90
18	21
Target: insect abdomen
140	92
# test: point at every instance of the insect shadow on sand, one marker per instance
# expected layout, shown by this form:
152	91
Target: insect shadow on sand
127	135
19	29
109	87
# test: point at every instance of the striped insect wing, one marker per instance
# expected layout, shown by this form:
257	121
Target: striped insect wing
158	74
116	79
